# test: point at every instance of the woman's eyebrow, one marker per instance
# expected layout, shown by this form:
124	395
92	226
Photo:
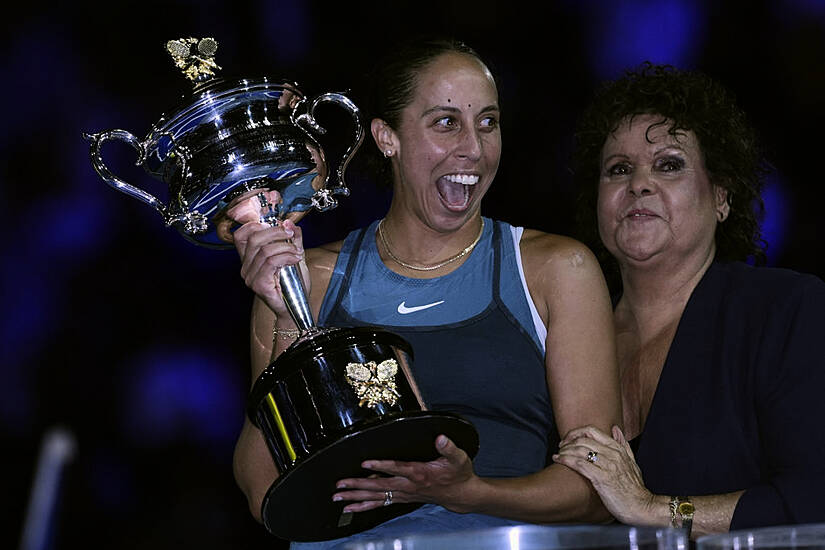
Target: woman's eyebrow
454	109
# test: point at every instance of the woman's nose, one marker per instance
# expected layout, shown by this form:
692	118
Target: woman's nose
469	145
641	183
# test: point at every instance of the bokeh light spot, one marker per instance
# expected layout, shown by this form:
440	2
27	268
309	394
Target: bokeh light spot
182	396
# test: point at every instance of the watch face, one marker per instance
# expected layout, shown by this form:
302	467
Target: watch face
686	509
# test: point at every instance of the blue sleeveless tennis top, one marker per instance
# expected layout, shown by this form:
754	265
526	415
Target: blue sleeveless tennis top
476	349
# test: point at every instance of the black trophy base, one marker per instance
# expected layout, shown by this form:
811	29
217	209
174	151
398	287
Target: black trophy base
299	507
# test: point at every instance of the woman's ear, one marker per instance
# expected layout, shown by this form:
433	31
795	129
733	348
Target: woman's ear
722	203
384	137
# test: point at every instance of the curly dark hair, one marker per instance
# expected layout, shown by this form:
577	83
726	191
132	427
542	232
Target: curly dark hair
688	101
390	87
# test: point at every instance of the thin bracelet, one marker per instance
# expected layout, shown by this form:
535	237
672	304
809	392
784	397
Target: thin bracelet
674	503
285	333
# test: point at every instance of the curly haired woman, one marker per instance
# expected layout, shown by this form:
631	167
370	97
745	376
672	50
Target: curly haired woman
721	362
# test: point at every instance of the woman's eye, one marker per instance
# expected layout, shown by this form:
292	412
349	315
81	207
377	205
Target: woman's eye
619	169
489	123
445	122
670	164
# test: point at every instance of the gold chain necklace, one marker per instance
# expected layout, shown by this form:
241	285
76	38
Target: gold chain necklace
428	267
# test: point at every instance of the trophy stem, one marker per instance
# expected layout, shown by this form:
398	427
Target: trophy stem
292	286
292	289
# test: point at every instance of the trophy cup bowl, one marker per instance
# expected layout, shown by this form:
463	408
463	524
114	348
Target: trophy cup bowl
336	396
230	137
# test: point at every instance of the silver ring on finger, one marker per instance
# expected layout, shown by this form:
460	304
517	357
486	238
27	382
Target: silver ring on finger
387	498
592	456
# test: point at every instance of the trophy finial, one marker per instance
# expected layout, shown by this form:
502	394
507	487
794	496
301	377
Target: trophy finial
195	57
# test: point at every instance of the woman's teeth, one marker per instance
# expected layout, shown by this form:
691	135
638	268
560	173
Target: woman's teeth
463	179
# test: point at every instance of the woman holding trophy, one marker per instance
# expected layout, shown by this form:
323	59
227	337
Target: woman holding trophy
511	327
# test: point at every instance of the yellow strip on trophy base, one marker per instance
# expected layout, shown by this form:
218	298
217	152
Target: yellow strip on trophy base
281	428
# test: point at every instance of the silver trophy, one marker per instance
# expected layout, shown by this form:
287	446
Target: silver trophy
336	396
229	138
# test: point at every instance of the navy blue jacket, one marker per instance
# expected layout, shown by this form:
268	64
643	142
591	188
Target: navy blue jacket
741	400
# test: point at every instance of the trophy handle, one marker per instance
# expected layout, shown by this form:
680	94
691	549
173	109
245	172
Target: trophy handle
103	171
323	199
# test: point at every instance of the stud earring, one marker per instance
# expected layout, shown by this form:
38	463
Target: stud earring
388	153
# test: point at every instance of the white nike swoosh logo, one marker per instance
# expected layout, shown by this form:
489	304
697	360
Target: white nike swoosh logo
403	309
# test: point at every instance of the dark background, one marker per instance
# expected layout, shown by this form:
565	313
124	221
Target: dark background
134	342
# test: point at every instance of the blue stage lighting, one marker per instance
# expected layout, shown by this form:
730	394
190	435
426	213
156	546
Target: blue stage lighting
183	396
625	34
775	224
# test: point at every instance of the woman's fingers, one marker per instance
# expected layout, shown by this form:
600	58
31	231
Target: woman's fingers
369	500
586	431
268	259
363	506
614	475
440	480
369	492
583	446
598	459
618	436
252	235
584	453
264	250
576	460
259	243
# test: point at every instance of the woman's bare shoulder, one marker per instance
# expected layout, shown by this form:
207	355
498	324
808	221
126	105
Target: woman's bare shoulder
548	251
324	255
562	274
321	263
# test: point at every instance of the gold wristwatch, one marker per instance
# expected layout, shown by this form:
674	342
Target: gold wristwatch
684	507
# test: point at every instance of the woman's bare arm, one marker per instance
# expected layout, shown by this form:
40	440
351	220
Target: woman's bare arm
253	466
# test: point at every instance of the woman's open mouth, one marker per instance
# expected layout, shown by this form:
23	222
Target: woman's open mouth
456	189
